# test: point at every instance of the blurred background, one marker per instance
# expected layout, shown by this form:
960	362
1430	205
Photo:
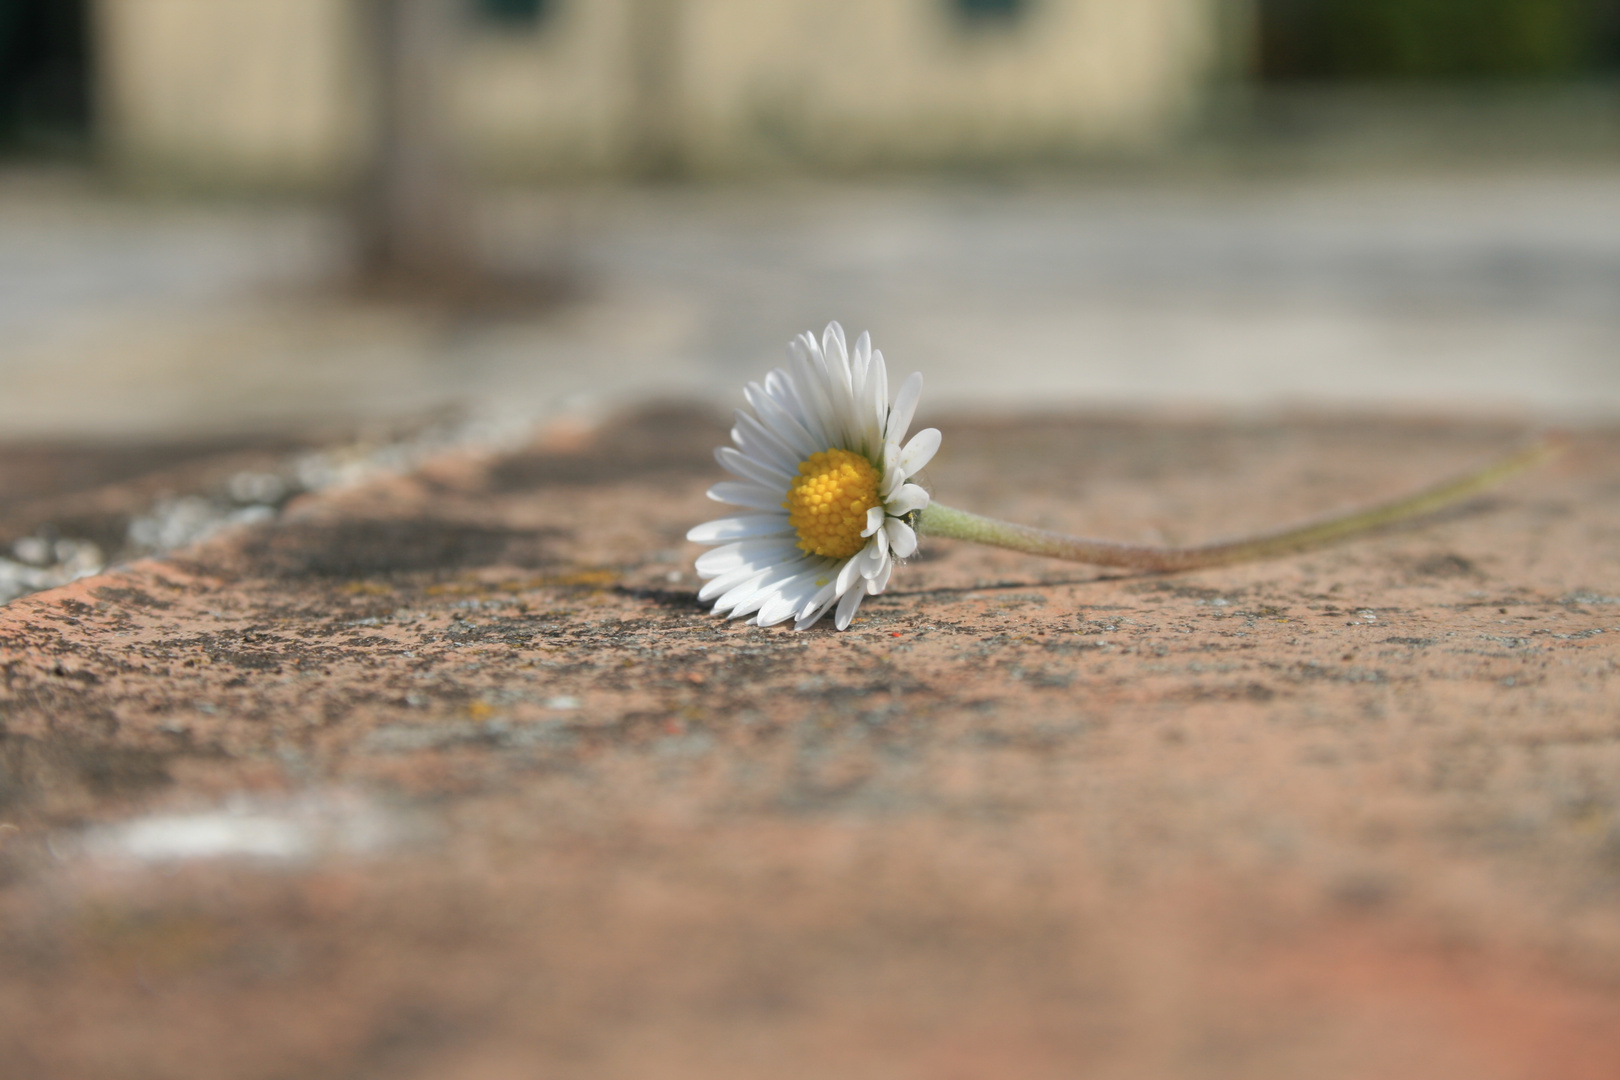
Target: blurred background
299	219
289	215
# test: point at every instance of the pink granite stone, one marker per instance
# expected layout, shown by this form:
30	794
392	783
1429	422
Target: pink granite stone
505	802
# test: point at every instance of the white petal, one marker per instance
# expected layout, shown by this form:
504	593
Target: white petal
811	381
836	351
873	403
760	444
848	575
905	405
893	476
779	384
748	595
739	527
919	451
755	554
848	604
910	497
860	362
847	417
729	581
902	539
877	385
740	493
720	560
793	595
771	588
824	595
873	556
760	472
812	615
843	423
729	590
874	521
881	582
781	423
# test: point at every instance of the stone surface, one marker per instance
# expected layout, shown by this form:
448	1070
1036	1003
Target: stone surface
91	492
447	775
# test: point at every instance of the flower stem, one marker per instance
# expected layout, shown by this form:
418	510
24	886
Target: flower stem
940	520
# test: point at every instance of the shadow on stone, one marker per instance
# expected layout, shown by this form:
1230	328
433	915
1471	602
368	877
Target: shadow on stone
32	770
378	548
675	441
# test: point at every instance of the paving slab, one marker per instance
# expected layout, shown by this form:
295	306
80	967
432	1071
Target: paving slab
448	775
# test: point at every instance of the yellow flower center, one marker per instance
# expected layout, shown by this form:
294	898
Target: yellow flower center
829	500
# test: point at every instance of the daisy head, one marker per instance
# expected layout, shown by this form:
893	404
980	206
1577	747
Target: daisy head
824	483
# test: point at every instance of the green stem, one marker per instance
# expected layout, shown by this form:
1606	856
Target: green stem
940	520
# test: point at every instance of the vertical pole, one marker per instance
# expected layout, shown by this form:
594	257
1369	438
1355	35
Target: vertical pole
655	48
412	215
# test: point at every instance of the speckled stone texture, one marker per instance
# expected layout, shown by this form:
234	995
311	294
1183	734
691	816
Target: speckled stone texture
1350	814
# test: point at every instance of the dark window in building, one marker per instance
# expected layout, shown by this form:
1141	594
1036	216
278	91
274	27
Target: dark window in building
1437	39
517	14
44	76
989	11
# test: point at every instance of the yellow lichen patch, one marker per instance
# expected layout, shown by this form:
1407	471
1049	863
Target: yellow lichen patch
584	577
829	500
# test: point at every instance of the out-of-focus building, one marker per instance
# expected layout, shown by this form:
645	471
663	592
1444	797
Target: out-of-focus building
278	93
272	92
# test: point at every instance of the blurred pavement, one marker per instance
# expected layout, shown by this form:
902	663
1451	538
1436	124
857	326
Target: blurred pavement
1424	293
447	775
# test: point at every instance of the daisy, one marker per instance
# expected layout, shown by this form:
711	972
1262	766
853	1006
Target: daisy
830	507
825	483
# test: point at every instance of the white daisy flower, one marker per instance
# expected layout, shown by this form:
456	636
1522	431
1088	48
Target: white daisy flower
822	472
